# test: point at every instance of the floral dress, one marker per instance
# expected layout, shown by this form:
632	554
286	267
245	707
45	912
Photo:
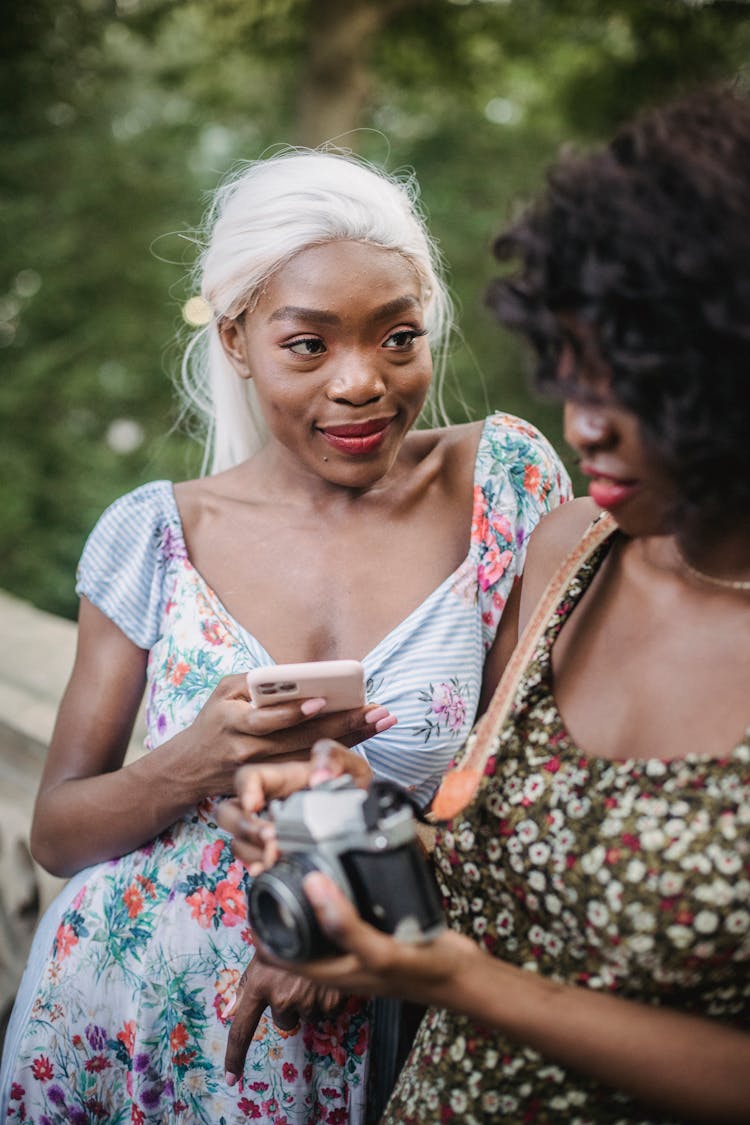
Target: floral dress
631	877
121	1016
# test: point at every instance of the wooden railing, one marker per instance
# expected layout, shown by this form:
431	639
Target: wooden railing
36	656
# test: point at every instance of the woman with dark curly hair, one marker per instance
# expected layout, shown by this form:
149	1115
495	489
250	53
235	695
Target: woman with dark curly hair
594	852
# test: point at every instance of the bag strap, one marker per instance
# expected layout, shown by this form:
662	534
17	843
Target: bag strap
459	785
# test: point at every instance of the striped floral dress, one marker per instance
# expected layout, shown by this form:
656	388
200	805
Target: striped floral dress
121	1015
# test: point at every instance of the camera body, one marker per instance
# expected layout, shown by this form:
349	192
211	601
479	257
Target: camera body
366	841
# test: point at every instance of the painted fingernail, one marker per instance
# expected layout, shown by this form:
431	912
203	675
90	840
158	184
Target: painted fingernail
230	1079
312	706
375	714
385	724
230	1005
319	775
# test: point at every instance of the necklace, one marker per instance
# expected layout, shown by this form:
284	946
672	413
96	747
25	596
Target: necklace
711	580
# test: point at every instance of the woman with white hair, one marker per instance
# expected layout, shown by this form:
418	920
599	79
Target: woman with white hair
328	526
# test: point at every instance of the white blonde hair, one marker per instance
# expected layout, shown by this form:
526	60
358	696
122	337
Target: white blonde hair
265	213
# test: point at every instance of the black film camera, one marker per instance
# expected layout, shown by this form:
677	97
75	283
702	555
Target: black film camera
365	840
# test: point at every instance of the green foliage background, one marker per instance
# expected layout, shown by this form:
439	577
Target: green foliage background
118	117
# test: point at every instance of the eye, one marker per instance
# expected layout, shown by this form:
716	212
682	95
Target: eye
403	337
311	345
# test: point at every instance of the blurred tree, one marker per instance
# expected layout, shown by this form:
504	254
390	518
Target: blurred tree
116	117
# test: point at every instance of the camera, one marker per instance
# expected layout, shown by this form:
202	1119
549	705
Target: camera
366	841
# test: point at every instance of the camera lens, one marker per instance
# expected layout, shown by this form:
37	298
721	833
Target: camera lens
280	913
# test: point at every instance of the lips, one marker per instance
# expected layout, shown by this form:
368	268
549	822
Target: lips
608	491
356	437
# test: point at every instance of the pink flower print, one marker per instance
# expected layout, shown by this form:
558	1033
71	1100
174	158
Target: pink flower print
493	566
202	905
501	526
211	855
449	706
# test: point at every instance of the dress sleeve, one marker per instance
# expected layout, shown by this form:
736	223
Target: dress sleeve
519	477
122	568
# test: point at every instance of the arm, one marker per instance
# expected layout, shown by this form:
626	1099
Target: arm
684	1065
85	785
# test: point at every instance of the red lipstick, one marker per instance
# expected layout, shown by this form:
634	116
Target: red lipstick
607	491
357	437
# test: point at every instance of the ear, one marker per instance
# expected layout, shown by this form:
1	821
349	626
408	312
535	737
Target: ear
232	337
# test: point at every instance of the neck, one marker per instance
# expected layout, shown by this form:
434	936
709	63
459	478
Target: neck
718	559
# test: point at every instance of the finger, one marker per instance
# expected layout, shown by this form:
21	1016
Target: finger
330	759
286	1019
259	783
248	1010
338	918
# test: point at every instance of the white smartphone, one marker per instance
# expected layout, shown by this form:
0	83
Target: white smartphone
340	682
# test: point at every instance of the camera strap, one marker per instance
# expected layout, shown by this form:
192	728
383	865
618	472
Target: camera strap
459	786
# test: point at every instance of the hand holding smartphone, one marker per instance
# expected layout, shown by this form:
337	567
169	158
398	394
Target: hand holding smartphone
340	682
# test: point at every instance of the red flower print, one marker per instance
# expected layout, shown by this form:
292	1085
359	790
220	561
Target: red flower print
337	1116
41	1068
211	855
96	1064
478	517
178	1037
65	939
147	885
127	1036
361	1045
212	631
289	1071
532	479
136	1115
16	1092
181	670
133	900
183	1058
250	1109
325	1042
232	902
202	905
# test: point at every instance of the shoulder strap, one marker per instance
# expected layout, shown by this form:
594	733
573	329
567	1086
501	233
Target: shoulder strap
459	785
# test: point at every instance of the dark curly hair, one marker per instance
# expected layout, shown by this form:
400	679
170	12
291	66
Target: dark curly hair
648	242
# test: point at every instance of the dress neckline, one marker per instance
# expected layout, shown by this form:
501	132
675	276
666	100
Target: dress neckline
378	652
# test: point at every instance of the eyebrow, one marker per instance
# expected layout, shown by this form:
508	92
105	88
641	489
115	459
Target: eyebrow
323	316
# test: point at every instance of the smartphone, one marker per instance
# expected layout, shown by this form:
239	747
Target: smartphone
340	682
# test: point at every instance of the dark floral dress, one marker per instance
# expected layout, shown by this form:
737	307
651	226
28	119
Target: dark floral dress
625	876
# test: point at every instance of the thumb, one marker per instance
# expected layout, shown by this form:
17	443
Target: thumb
334	911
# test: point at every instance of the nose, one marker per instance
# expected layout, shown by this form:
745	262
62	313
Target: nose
357	382
587	426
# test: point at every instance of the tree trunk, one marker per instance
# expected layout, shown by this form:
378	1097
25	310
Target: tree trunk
335	83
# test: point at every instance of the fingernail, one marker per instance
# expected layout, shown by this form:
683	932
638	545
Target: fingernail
375	714
385	724
230	1005
230	1079
319	775
312	706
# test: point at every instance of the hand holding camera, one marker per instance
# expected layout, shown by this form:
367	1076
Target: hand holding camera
366	842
